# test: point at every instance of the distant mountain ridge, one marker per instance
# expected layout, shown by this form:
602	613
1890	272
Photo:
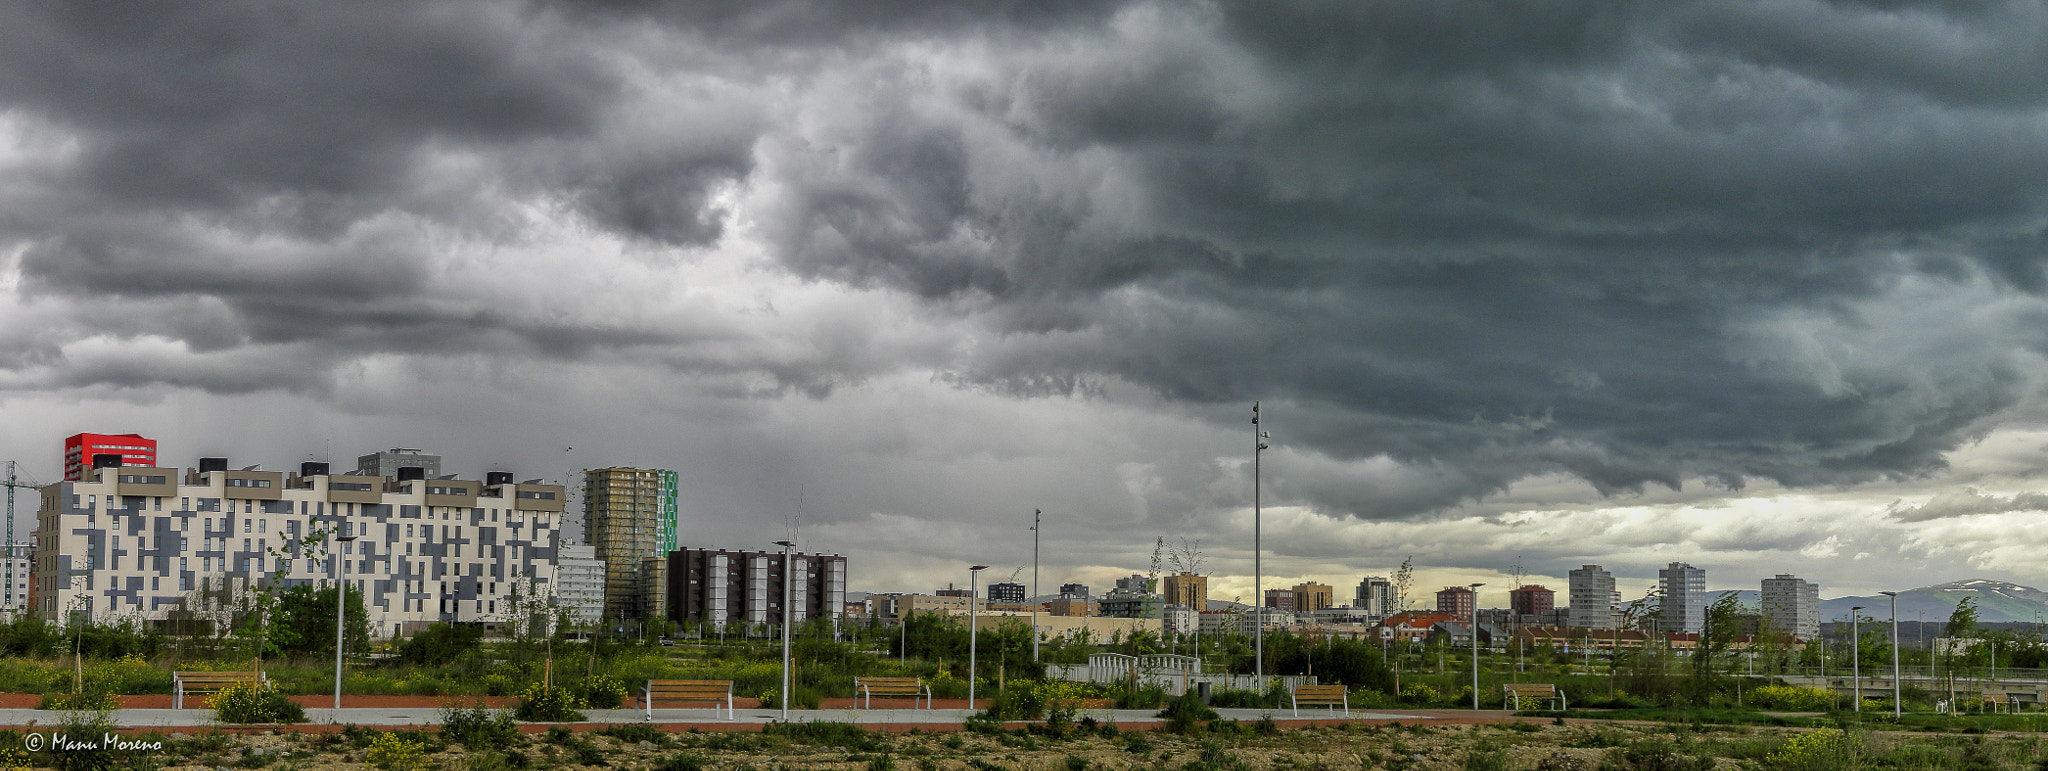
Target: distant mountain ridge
1997	602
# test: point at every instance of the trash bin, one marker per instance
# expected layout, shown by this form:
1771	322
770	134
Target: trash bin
1202	691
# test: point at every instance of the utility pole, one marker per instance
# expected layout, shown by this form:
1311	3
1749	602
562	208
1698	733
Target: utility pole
1258	572
1036	515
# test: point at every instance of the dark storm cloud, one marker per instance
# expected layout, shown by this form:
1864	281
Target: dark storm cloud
1637	243
1965	503
1501	239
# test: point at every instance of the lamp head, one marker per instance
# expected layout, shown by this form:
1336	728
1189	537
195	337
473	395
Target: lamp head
1855	608
785	544
978	568
1889	594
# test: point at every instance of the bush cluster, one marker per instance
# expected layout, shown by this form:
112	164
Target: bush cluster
539	703
479	728
247	703
1791	697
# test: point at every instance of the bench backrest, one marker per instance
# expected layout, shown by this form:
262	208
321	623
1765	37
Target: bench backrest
889	683
215	678
1318	692
1530	689
689	690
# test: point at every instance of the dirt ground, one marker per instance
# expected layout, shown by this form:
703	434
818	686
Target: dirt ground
1528	747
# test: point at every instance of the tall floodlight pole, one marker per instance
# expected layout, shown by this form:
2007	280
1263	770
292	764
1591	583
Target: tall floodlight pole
1856	654
1895	652
973	618
340	612
1036	515
1258	570
786	546
1475	645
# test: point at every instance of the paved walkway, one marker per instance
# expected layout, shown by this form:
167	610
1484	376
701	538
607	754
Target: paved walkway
708	718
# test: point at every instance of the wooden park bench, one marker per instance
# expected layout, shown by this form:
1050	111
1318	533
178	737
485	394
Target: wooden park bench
713	691
1332	696
2000	702
1514	693
207	683
866	688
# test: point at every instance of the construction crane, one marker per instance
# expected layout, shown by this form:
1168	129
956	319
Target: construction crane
12	482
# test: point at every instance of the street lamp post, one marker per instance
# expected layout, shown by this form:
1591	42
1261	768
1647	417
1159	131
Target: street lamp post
1259	437
1035	516
1895	651
1475	645
973	618
786	546
340	612
1856	653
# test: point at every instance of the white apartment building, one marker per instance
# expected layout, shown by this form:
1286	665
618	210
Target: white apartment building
579	583
1592	598
14	570
1685	598
153	545
1792	605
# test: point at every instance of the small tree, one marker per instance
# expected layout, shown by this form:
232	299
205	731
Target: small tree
1962	627
1717	636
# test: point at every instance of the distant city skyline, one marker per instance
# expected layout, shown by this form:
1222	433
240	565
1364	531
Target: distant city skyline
1759	289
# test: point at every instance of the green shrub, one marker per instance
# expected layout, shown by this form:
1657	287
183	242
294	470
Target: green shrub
86	727
603	692
827	734
539	703
1485	756
479	728
635	732
1186	713
392	752
250	703
982	723
1822	750
1792	698
1656	755
439	644
90	699
682	761
1417	693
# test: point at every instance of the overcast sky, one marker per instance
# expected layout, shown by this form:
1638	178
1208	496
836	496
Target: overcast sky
1754	285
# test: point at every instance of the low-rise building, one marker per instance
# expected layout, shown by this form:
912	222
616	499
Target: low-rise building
1411	627
1072	607
1006	593
1280	598
1124	603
